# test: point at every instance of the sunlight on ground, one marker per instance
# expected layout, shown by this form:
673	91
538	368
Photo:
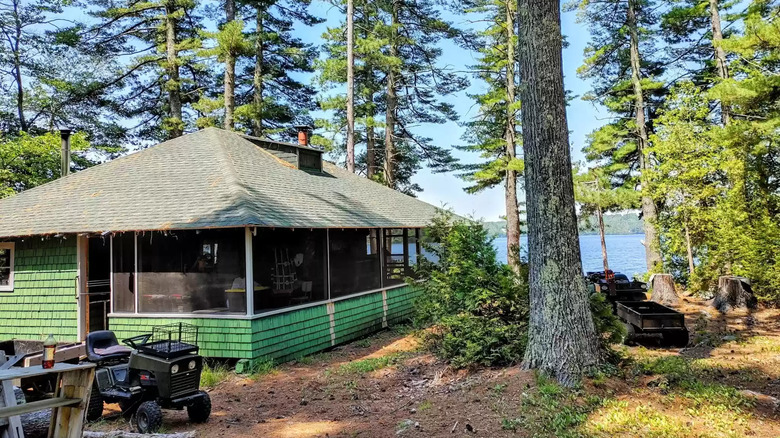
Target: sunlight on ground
306	429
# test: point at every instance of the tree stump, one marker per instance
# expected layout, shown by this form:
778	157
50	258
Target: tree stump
663	289
733	293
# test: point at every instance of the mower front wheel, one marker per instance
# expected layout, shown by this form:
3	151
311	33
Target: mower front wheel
200	410
148	417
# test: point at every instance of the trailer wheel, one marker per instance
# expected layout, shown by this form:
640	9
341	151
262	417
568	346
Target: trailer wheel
677	338
148	417
630	333
95	406
200	411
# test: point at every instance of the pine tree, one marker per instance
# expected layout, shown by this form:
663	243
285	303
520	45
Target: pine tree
493	132
620	47
162	38
562	339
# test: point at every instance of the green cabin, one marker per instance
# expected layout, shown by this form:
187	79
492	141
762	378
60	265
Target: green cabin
270	250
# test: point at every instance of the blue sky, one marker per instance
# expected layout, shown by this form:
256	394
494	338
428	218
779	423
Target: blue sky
447	189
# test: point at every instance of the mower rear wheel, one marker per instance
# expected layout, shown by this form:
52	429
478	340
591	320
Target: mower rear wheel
95	406
200	411
148	417
677	339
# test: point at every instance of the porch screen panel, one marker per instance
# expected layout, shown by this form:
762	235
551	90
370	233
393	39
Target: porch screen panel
123	272
355	264
290	267
200	272
401	252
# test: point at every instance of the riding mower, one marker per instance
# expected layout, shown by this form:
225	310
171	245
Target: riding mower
160	370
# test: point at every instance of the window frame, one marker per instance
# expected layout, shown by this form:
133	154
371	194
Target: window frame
12	247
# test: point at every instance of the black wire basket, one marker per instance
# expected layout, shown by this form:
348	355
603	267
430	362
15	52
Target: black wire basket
170	341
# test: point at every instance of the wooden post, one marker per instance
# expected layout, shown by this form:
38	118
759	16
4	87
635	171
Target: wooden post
663	289
249	276
11	427
68	421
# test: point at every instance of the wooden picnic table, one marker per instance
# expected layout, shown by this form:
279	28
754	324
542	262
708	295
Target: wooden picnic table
71	397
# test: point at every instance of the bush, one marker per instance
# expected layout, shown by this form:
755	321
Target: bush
479	305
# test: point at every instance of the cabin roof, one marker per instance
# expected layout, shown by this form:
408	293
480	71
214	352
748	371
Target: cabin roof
208	179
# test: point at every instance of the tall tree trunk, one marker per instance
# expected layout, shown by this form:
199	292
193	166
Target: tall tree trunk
649	213
600	215
173	85
230	71
512	212
720	55
392	103
370	152
17	69
688	246
351	85
257	97
562	339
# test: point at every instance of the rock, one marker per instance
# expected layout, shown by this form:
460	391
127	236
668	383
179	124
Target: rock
404	426
729	338
470	428
304	402
764	399
412	411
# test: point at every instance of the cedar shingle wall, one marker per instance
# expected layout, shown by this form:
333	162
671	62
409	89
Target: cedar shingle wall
44	298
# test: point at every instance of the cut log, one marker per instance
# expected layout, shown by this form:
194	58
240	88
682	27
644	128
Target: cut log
733	293
123	434
663	290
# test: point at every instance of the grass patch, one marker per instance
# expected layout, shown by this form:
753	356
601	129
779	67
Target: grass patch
363	343
262	367
213	375
617	418
424	406
371	364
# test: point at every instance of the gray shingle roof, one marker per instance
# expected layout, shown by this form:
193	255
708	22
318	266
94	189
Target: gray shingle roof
210	178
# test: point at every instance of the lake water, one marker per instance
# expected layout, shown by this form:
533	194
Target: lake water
625	252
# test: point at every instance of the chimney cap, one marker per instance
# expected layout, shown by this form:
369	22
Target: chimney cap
303	127
65	131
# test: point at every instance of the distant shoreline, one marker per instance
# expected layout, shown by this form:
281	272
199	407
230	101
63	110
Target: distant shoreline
614	224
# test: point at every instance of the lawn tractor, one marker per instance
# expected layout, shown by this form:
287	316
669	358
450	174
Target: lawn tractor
160	370
640	316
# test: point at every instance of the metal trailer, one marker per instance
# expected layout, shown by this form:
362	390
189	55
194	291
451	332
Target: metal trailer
651	317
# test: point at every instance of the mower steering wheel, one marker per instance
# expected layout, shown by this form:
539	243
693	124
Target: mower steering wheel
135	341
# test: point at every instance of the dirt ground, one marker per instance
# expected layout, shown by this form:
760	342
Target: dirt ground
386	386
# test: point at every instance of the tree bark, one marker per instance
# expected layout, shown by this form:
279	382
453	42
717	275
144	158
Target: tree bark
257	80
562	339
512	211
17	69
691	266
230	71
663	290
370	152
392	103
600	216
351	86
173	85
720	55
733	293
649	212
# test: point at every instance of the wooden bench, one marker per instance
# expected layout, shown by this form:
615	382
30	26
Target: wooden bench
71	397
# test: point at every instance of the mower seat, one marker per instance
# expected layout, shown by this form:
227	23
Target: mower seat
102	346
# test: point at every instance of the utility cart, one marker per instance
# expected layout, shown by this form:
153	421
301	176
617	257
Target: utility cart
640	316
651	317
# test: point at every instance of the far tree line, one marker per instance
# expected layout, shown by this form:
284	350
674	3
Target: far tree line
690	88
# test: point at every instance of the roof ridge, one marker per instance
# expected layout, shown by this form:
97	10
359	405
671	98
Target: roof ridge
237	187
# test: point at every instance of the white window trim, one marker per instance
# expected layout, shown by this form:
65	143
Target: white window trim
12	247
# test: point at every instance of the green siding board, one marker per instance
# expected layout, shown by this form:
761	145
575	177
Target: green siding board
289	335
44	297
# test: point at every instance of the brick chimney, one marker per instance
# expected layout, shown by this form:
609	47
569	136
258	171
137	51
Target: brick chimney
304	131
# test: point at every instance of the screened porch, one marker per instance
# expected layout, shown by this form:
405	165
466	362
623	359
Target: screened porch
206	273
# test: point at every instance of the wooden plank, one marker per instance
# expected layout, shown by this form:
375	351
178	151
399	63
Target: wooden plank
63	354
38	406
11	426
68	421
21	373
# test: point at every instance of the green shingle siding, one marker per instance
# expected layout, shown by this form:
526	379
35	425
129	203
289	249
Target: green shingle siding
44	297
289	335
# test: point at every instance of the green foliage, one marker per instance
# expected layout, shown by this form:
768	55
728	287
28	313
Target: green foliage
607	323
27	161
214	374
479	305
